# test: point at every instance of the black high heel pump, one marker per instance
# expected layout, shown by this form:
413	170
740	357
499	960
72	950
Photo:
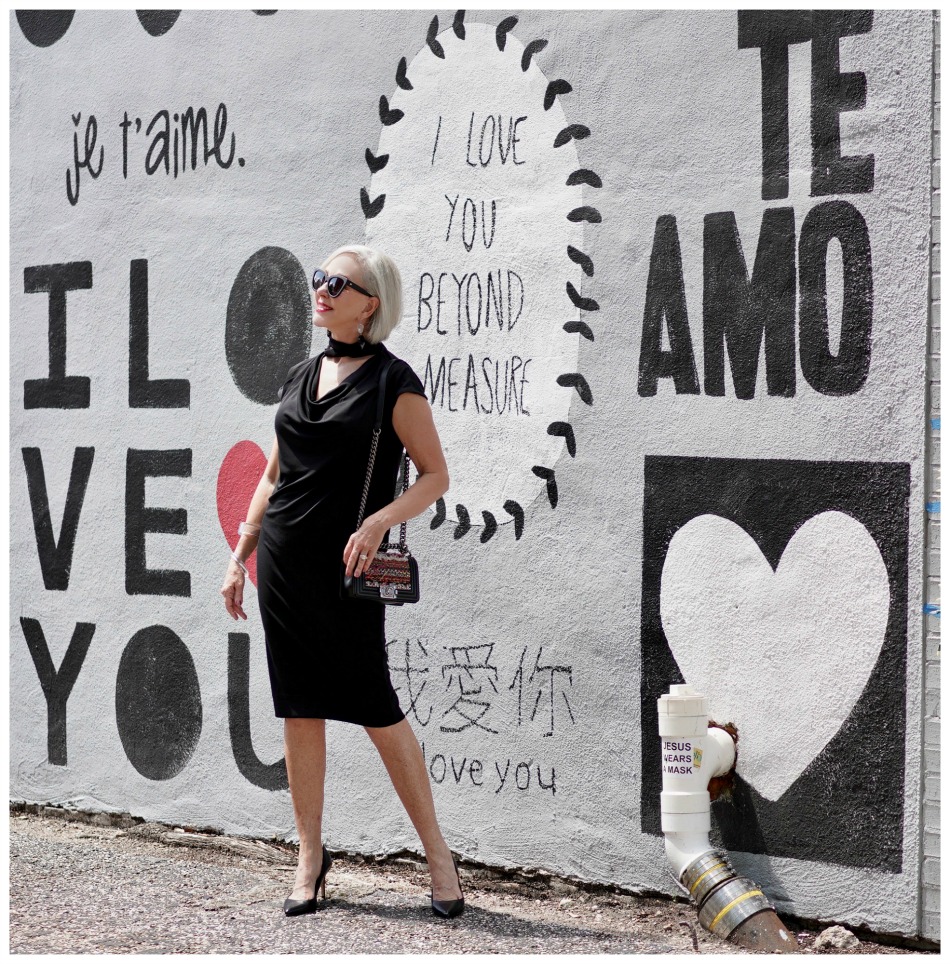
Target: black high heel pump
309	906
450	908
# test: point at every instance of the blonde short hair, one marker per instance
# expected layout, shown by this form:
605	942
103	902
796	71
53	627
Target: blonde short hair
381	276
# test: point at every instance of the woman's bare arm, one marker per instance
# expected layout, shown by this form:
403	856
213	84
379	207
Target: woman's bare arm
233	587
412	420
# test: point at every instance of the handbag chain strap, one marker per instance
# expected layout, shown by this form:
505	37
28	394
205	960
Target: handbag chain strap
377	431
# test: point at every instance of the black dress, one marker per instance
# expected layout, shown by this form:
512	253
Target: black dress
327	655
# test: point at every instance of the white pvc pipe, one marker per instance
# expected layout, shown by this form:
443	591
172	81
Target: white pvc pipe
693	754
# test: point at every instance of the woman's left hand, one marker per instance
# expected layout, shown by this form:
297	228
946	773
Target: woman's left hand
362	545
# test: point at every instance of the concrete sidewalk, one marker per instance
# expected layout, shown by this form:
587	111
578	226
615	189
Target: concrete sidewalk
82	888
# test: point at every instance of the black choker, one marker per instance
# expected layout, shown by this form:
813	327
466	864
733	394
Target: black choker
357	349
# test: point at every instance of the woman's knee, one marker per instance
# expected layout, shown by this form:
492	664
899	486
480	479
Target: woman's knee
303	725
395	732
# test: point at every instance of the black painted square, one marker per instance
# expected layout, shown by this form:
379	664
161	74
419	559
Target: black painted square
847	806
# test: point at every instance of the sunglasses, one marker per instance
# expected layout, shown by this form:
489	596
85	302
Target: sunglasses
336	284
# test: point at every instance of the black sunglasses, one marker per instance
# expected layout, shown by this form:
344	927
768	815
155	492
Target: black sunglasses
336	284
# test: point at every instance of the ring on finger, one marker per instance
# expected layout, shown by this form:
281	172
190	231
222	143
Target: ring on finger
363	555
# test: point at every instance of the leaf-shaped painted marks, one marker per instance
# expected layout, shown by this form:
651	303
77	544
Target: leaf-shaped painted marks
567	433
439	516
464	522
548	475
577	380
573	132
555	88
371	208
387	116
401	79
376	163
585	213
584	175
585	304
458	24
434	44
535	47
517	513
502	30
578	257
579	326
491	527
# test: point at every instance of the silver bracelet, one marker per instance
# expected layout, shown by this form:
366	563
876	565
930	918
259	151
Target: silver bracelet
243	531
237	559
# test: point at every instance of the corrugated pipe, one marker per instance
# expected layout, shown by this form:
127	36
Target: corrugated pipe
694	753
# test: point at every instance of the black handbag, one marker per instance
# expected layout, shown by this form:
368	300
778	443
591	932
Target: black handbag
392	578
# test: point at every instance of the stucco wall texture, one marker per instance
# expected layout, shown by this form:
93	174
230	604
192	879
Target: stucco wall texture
668	286
930	868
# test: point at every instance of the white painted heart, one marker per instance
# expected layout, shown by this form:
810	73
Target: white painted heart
783	654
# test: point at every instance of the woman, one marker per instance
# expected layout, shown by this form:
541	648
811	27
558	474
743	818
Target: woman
326	654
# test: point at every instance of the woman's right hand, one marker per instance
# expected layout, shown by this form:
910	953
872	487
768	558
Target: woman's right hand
233	591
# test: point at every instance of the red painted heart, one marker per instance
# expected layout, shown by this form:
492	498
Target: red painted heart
238	476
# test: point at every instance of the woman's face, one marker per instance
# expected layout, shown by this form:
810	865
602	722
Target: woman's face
343	315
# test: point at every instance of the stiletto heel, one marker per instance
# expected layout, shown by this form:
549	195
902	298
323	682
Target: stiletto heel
450	908
309	906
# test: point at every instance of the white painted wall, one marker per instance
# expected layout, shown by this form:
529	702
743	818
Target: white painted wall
524	667
930	868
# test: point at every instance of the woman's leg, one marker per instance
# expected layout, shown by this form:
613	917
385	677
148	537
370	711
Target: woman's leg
305	752
402	757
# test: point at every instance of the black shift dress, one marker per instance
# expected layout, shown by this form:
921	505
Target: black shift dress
326	654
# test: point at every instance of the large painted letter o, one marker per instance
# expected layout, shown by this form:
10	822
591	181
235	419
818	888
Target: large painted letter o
269	323
157	703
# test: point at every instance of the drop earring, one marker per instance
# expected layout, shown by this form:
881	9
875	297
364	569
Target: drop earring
359	332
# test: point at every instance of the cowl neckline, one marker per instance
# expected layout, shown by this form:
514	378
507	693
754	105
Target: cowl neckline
339	391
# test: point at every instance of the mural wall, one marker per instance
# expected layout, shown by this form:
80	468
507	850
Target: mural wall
666	281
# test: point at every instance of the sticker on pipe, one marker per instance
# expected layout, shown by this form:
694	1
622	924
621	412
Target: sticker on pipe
679	757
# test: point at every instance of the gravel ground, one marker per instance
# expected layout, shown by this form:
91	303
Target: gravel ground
80	888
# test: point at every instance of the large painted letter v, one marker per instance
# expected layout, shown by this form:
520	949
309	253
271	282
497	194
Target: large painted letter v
56	555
